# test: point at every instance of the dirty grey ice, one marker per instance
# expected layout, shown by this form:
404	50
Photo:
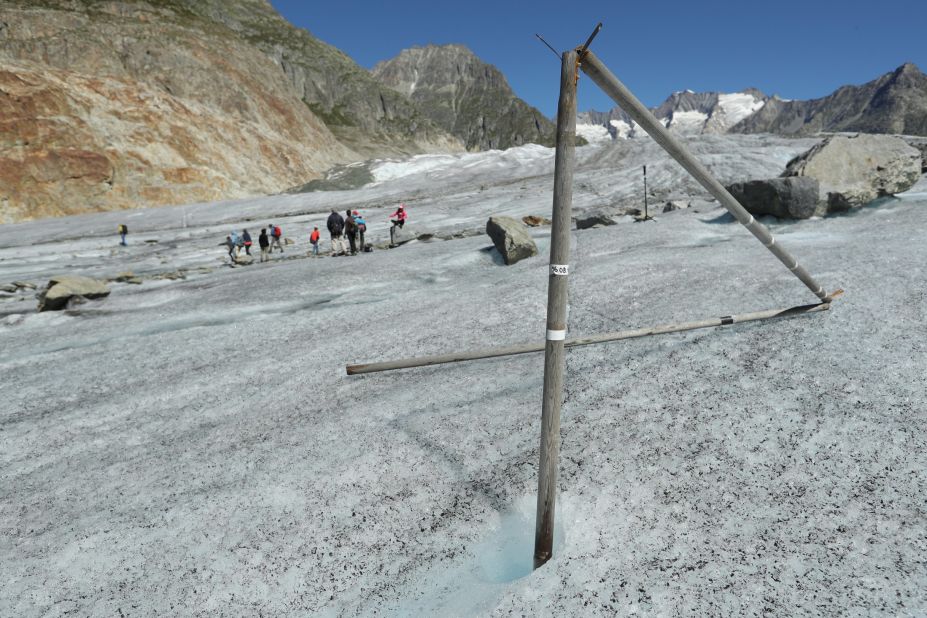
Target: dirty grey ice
192	446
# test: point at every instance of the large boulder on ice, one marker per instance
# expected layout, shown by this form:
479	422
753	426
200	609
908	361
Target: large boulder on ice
854	170
796	197
511	239
401	235
63	288
921	145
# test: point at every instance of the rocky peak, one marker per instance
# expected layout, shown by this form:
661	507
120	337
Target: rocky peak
464	95
896	102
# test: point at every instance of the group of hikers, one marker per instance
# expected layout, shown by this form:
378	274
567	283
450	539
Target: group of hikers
347	236
236	242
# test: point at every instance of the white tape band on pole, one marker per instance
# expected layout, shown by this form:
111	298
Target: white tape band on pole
556	335
560	269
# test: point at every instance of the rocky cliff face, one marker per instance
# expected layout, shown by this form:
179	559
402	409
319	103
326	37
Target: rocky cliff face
371	119
893	103
108	105
465	96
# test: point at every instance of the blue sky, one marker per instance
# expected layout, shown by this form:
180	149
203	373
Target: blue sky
796	49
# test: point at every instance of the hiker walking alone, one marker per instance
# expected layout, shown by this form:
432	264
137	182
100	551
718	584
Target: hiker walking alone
350	230
361	230
265	245
246	237
335	228
398	219
275	234
314	240
123	230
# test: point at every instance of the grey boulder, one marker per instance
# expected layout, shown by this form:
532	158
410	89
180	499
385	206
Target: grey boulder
921	145
511	239
854	170
63	288
401	235
796	197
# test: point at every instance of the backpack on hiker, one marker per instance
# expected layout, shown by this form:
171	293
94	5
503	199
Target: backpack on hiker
277	233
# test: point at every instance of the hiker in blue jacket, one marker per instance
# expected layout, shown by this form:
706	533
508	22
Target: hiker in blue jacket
235	239
361	230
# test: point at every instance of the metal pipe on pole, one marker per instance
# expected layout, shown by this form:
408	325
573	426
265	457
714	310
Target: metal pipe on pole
610	84
557	288
441	359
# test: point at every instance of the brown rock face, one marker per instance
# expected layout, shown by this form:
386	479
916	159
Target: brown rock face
129	106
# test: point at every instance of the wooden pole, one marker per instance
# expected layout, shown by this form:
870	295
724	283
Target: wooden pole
646	215
427	361
556	310
600	74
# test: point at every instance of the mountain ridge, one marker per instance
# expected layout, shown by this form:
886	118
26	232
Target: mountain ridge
895	102
464	95
108	105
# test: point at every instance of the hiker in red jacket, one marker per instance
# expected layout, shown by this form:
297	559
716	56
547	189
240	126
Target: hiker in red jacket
275	235
314	239
398	219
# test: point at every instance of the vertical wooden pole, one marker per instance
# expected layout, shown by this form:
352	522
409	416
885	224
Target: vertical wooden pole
556	311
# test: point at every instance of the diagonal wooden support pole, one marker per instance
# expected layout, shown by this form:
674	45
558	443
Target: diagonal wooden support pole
600	74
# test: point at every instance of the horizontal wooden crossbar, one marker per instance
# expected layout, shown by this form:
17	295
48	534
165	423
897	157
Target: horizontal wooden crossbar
423	361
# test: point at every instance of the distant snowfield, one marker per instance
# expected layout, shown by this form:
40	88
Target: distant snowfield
194	447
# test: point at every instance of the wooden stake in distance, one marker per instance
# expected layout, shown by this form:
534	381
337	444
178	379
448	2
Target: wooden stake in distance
556	311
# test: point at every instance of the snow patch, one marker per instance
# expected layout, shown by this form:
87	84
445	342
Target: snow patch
593	133
687	122
738	105
623	130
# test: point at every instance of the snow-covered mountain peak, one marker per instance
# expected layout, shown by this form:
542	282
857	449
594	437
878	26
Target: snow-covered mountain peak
686	112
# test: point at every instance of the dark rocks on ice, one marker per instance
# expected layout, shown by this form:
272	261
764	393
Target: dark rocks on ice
672	205
788	198
594	219
511	239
